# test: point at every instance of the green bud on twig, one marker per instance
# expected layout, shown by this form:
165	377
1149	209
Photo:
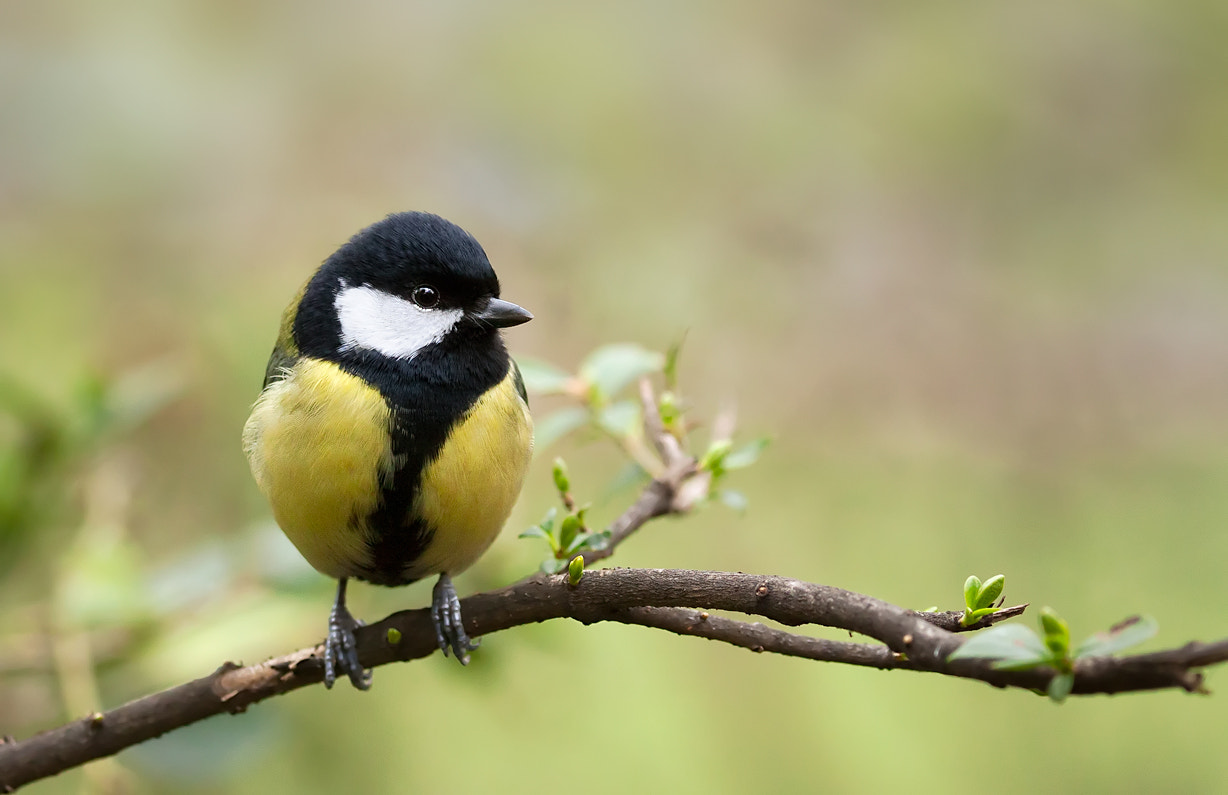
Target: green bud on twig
561	481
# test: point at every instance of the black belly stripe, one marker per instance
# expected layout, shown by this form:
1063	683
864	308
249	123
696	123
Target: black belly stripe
398	537
427	395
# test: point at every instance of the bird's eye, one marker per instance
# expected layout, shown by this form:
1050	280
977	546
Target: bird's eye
426	297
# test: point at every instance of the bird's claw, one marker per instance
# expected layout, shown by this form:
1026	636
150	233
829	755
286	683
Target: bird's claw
446	615
341	647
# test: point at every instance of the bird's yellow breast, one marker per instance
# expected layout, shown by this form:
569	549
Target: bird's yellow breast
318	444
468	490
320	448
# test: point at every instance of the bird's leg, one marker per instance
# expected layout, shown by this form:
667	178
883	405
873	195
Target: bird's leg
446	615
340	647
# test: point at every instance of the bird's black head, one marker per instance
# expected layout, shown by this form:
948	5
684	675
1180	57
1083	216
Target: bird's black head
400	286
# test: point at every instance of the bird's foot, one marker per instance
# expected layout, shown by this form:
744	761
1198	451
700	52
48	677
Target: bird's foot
341	647
446	615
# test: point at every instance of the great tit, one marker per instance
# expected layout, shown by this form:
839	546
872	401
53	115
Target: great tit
392	433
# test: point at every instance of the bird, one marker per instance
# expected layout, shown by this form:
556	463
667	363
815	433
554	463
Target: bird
392	433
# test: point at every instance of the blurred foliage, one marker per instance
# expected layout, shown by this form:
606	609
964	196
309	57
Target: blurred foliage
44	448
965	263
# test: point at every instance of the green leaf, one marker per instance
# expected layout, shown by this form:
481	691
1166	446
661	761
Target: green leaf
621	418
1060	686
989	591
541	377
1013	645
1024	664
544	530
585	541
568	531
1128	633
713	460
575	570
972	586
557	425
550	539
597	541
747	454
734	500
578	544
612	367
551	565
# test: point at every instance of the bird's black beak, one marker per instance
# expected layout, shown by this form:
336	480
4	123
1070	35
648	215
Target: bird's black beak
501	314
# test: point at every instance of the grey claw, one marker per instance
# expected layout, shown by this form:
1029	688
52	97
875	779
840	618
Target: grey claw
449	627
341	647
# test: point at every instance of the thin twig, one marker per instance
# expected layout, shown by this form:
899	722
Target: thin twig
661	496
950	620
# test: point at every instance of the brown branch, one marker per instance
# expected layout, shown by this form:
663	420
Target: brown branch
673	600
665	443
632	596
760	638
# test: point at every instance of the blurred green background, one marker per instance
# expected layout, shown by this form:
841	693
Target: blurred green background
966	262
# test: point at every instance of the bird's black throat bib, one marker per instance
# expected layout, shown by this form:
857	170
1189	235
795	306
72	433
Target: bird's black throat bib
427	395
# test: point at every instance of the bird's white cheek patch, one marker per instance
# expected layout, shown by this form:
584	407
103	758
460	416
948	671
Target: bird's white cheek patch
378	321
